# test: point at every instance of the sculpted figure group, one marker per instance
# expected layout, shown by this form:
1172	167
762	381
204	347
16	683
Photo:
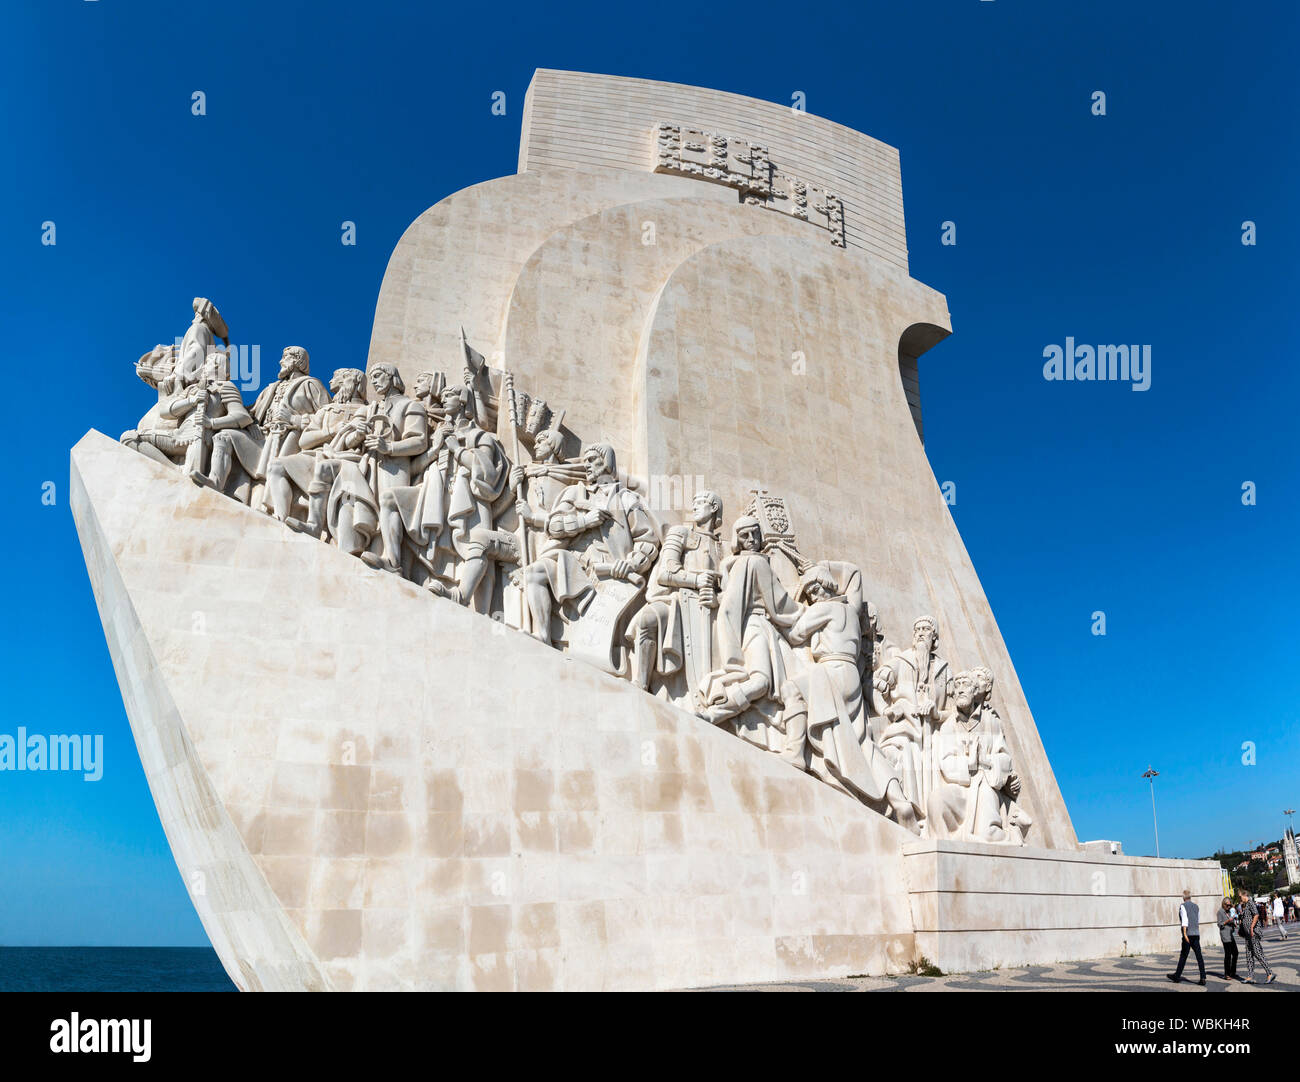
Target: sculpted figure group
784	652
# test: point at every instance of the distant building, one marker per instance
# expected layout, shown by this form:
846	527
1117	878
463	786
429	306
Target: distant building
1292	857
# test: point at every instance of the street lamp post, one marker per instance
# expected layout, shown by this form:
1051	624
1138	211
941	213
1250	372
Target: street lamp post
1151	776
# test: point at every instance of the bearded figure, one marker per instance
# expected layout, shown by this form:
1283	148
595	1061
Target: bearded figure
278	415
910	691
282	411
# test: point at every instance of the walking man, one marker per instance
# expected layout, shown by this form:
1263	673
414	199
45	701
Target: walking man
1190	916
1253	932
1279	915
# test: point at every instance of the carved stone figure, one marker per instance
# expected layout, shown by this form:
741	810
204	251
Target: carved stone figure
754	613
282	410
673	632
171	370
322	446
156	436
973	797
608	535
428	392
537	488
278	415
199	340
393	429
205	410
913	693
452	513
877	652
825	711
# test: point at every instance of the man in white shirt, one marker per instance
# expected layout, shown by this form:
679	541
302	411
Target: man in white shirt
1279	910
1189	915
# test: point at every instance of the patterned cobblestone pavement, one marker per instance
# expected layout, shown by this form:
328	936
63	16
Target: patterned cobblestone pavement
1143	973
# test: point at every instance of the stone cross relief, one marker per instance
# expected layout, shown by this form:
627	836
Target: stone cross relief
741	630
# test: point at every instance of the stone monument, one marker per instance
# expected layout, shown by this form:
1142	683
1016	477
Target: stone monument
572	668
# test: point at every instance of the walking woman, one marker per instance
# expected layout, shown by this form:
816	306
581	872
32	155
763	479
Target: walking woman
1228	937
1253	931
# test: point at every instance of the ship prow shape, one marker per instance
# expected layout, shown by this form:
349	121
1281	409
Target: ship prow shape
366	787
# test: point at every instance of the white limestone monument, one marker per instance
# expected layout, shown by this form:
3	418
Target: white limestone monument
609	631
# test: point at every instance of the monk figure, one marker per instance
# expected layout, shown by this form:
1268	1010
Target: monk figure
754	614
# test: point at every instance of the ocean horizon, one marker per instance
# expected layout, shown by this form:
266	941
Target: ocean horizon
112	969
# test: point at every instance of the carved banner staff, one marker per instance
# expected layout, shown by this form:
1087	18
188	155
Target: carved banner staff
515	458
472	371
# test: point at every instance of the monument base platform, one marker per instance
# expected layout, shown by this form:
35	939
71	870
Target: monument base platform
979	907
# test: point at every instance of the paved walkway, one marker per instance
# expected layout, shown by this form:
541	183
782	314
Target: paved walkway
1142	973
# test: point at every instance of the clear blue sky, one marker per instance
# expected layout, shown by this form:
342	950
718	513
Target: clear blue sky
1071	497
